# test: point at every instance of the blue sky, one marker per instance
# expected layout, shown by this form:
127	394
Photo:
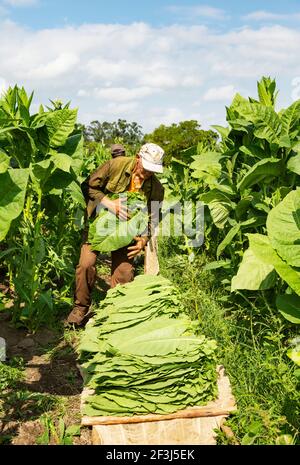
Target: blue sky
152	61
39	14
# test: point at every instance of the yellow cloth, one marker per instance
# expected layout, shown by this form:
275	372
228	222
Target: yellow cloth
135	183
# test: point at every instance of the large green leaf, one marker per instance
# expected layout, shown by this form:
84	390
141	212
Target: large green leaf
289	307
222	130
266	168
254	151
266	89
108	233
157	337
206	166
62	161
290	121
263	250
294	164
4	162
219	205
59	125
267	122
13	186
253	274
75	191
74	148
283	226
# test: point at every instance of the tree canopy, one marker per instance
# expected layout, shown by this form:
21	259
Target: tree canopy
129	133
177	137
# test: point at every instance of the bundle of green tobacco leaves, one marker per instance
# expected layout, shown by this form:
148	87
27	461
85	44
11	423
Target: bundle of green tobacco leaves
140	354
107	232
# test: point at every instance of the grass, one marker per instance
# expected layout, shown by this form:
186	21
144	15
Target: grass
252	341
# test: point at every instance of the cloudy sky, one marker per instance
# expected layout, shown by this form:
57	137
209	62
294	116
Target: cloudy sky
150	61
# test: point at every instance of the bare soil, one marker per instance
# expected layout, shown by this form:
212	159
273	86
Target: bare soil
51	377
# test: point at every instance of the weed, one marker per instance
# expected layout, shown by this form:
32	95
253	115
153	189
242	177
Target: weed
252	342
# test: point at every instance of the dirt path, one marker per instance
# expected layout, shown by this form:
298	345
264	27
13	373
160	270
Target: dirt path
52	383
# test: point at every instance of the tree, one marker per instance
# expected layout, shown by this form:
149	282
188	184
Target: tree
129	133
178	137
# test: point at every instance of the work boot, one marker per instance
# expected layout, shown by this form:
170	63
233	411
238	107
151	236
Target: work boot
78	316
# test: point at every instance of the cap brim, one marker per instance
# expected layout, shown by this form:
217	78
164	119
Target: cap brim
154	167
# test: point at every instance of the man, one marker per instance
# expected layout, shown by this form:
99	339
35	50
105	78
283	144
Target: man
120	174
117	150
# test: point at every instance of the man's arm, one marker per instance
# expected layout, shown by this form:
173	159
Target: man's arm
97	182
96	185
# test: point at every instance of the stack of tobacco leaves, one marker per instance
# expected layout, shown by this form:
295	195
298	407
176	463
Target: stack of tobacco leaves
140	353
107	232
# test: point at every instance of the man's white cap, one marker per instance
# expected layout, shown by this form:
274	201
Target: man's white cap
152	157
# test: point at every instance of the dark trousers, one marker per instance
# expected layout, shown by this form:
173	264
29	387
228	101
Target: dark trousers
122	271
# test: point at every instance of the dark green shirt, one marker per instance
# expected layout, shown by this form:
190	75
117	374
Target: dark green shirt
114	177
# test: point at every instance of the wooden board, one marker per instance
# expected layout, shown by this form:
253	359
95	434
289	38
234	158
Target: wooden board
180	431
193	425
151	264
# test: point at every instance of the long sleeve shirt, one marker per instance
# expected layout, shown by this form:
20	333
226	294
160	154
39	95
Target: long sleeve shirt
114	177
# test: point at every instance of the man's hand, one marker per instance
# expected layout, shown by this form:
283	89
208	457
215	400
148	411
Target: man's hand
136	249
116	206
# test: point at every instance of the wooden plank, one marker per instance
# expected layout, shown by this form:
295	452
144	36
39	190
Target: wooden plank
188	413
151	264
178	431
221	407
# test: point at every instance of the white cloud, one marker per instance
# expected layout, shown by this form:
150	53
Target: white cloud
262	15
147	74
219	94
64	63
123	94
200	11
3	85
21	2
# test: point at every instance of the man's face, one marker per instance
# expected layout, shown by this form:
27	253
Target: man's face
140	170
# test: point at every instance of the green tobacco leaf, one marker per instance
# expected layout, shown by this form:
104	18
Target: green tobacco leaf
62	161
39	172
75	191
283	226
266	89
4	162
263	250
289	307
228	238
13	186
108	233
59	125
253	274
258	172
219	205
206	165
74	148
222	130
290	118
294	164
253	151
150	365
267	122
